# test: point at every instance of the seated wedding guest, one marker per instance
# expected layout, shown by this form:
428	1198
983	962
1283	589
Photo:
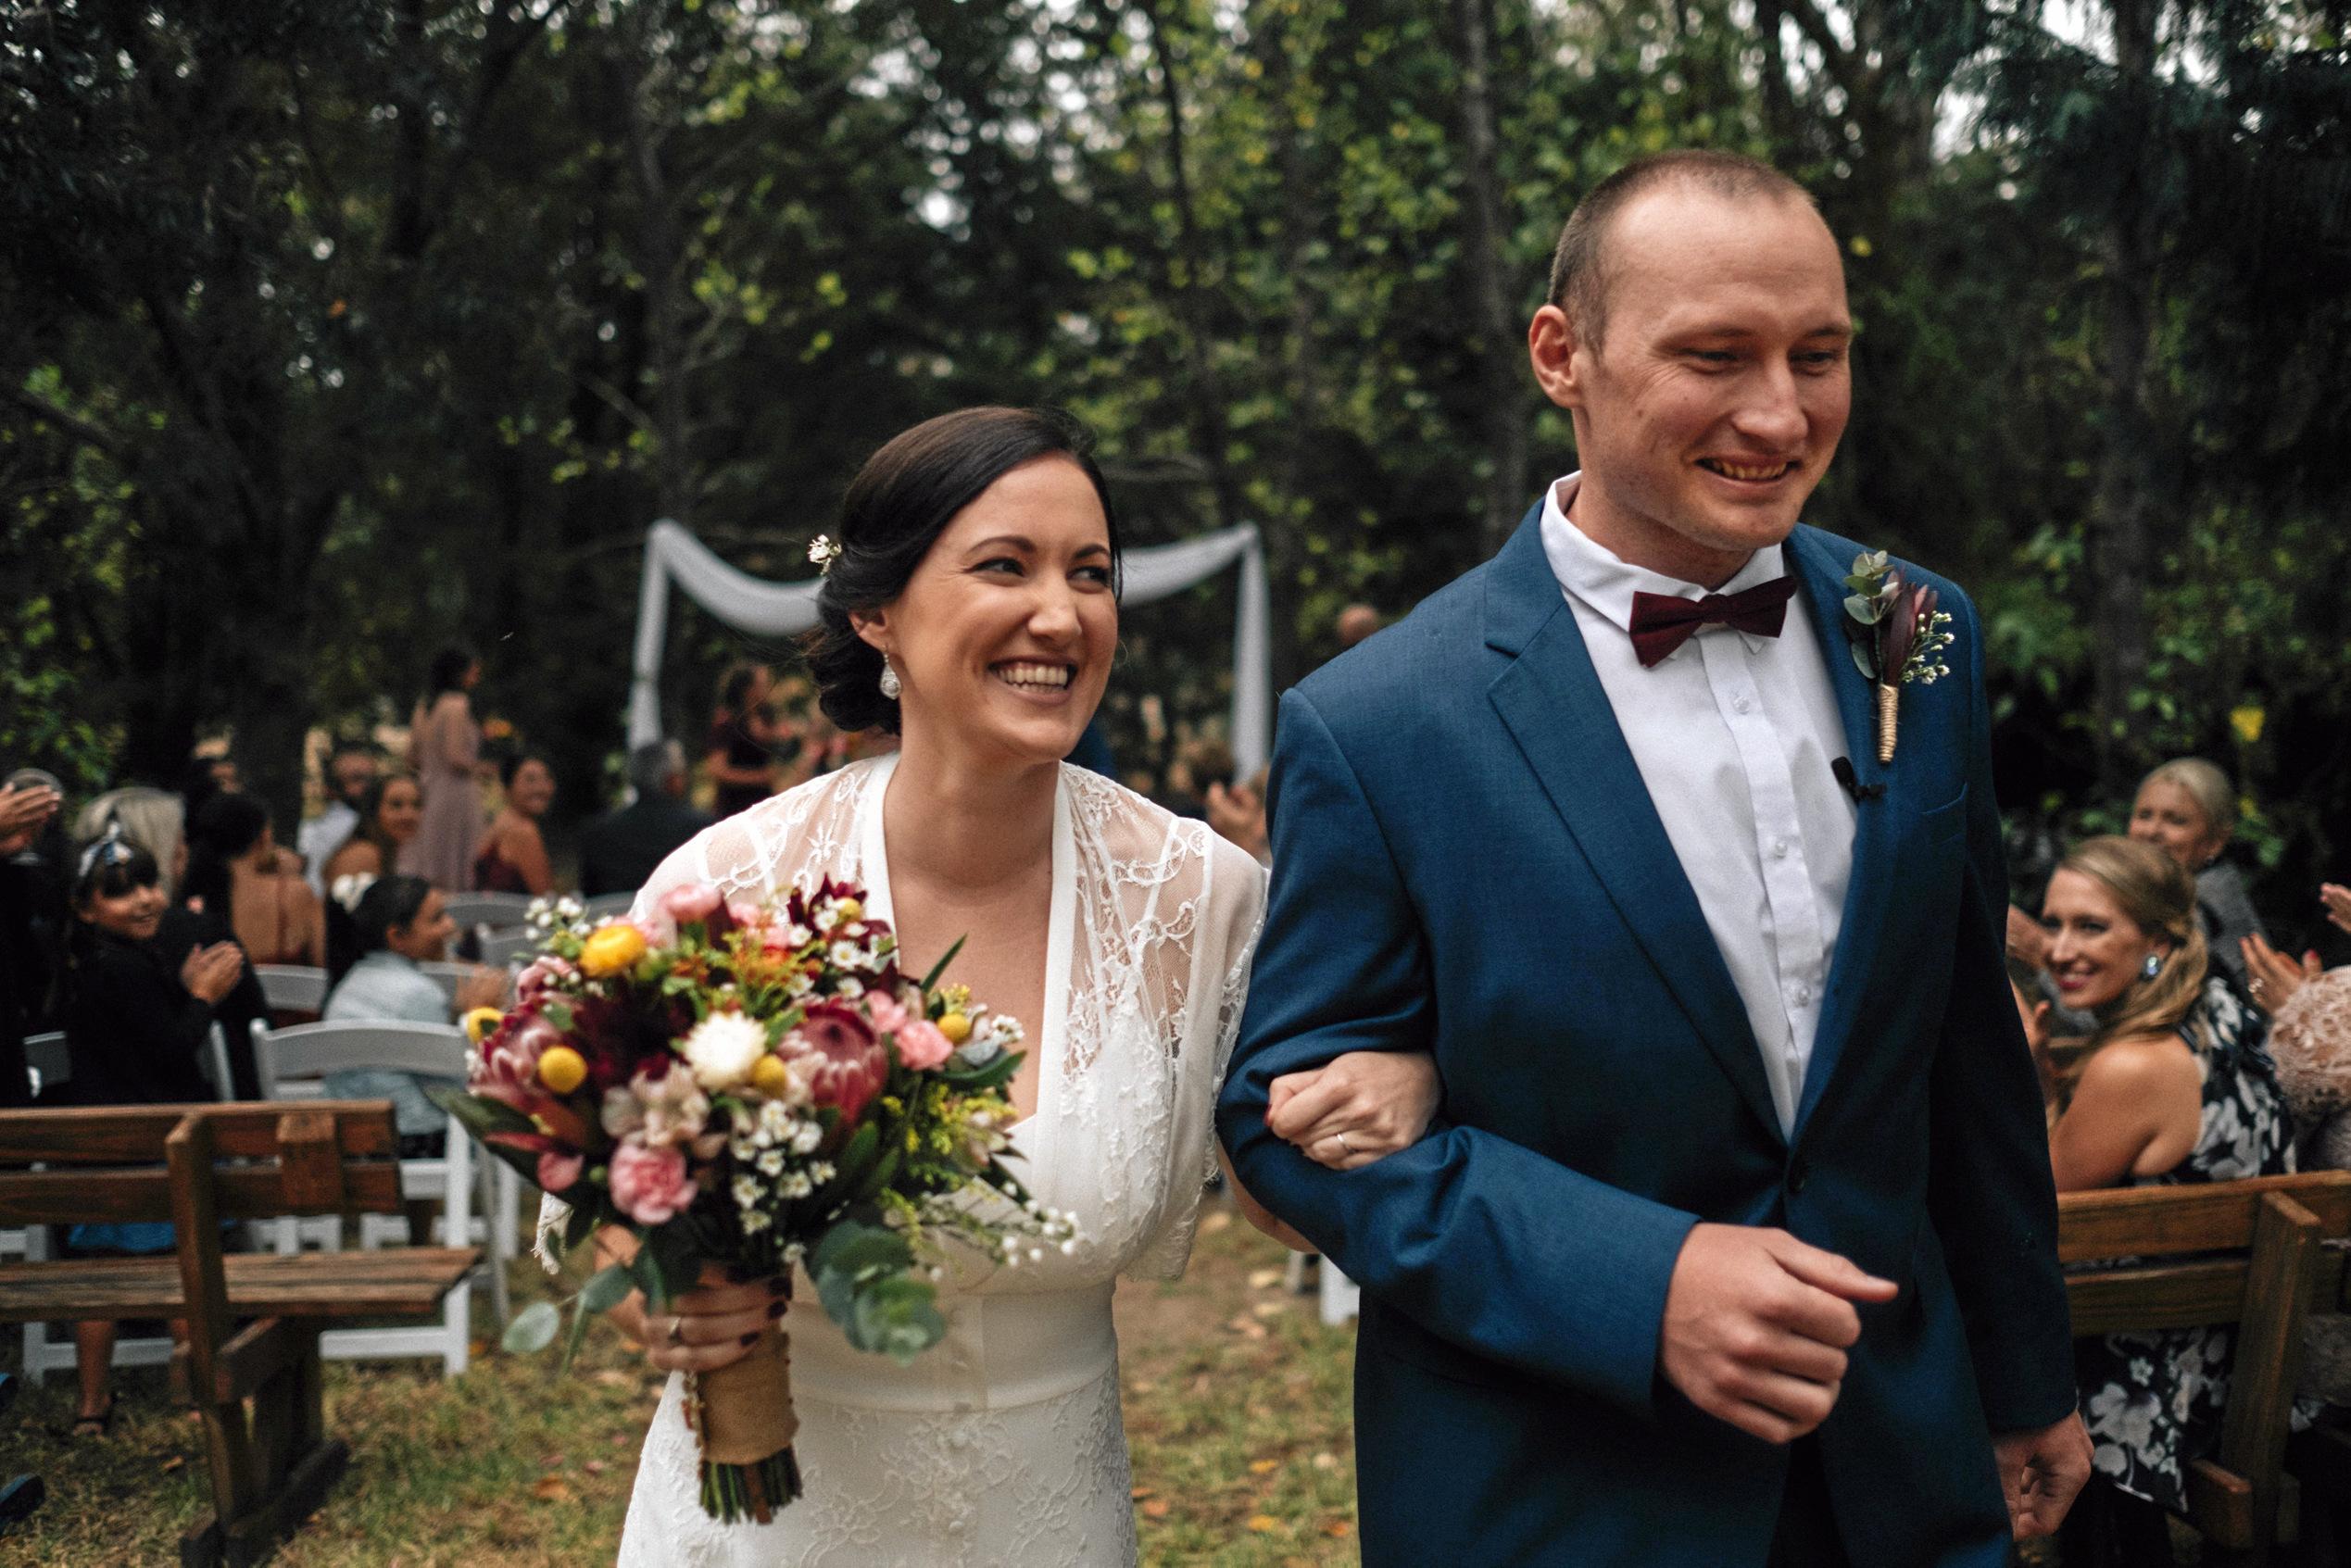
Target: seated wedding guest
2187	809
403	923
234	868
350	773
391	810
741	755
136	1026
511	857
2310	1038
25	809
151	818
2173	1089
619	850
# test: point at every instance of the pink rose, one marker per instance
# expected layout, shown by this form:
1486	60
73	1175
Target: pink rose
922	1046
541	976
650	1186
745	914
888	1014
691	903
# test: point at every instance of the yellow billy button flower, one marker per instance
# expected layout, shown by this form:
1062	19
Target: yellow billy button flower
610	949
481	1024
956	1027
561	1069
770	1076
849	911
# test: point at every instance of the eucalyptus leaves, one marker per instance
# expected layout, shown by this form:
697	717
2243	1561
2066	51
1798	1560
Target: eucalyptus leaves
1897	636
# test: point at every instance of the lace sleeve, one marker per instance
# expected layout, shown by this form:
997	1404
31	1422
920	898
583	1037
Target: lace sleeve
1234	898
2310	1040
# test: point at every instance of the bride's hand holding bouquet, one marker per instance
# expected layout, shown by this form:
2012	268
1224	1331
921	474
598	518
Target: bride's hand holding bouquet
724	1090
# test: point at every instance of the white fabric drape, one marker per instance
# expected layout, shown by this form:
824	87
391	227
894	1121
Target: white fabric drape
752	605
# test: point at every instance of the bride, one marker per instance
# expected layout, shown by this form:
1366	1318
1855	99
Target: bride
973	610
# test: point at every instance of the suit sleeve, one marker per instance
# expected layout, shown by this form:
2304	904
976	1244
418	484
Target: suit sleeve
1478	1240
1988	1190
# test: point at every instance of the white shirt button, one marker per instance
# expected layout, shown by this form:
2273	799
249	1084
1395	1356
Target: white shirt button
1803	995
1778	848
1740	704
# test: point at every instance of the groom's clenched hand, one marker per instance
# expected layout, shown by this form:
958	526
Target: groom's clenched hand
1757	1325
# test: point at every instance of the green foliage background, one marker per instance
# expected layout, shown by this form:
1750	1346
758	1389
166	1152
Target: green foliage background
330	331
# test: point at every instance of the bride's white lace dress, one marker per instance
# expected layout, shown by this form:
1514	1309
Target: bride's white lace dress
1003	1444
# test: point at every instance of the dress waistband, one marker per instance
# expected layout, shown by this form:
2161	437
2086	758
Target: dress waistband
999	1350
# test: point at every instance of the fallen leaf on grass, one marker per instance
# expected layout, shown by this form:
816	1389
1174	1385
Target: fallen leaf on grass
551	1489
1156	1509
1324	1462
174	1463
1144	1386
1264	1524
596	1467
1141	1492
1214	1223
1338	1530
1264	1466
1265	1279
613	1377
1270	1309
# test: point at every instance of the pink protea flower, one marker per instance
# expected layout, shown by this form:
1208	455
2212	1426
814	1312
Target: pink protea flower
852	1064
650	1186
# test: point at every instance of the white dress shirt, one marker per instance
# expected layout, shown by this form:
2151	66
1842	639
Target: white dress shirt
1733	735
316	840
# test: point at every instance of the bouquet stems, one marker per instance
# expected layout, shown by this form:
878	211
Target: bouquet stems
743	1421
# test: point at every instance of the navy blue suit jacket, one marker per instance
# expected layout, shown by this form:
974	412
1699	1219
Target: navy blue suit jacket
1466	863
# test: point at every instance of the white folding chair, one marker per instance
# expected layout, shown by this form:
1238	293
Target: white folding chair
608	904
52	1065
499	911
504	949
293	987
293	1063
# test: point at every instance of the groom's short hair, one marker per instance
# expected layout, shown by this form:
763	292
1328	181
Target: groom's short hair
1578	273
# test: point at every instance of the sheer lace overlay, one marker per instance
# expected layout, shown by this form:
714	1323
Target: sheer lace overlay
1003	1443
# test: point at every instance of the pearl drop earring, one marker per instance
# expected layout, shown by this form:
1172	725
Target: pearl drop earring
890	687
2152	966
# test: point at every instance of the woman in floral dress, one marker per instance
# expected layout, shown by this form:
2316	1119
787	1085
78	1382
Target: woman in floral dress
2174	1087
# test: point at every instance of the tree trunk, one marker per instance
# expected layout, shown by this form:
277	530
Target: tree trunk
1501	360
1190	300
2121	542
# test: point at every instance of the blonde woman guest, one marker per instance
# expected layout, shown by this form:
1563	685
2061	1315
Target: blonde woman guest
2174	1088
444	748
2188	810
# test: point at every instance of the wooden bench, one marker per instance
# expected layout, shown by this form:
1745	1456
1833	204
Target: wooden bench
2260	1255
198	1166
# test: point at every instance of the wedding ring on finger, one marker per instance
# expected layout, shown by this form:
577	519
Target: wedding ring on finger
1343	1143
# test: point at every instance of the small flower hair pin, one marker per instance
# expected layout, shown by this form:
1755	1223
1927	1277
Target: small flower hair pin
824	552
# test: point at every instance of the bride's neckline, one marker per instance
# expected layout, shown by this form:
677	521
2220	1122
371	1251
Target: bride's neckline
873	841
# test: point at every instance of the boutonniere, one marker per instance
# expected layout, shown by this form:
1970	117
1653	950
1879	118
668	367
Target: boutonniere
1898	637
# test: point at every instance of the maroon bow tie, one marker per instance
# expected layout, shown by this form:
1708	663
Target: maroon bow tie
1662	622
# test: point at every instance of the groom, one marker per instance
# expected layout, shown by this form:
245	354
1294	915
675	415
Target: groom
1733	1243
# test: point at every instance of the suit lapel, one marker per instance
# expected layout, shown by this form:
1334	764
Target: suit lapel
1869	884
1553	703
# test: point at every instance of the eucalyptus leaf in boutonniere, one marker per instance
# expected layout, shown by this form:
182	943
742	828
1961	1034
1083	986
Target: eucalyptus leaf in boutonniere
1897	634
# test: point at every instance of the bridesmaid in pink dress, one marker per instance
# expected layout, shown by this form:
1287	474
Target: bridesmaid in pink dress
444	744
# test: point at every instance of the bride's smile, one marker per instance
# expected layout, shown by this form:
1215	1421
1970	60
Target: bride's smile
1002	638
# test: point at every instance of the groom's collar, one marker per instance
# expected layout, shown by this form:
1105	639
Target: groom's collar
1605	583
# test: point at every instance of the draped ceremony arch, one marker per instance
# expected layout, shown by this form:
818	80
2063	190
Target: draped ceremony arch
760	607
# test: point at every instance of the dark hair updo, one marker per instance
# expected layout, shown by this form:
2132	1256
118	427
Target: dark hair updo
896	506
390	903
224	828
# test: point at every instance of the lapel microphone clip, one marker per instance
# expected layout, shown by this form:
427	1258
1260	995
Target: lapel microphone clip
1851	780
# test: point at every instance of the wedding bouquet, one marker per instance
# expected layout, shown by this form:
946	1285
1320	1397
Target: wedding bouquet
752	1086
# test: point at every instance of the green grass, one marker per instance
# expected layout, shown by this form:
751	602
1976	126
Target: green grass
1236	1410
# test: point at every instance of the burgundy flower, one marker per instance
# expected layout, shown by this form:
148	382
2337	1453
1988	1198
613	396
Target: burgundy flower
852	1064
